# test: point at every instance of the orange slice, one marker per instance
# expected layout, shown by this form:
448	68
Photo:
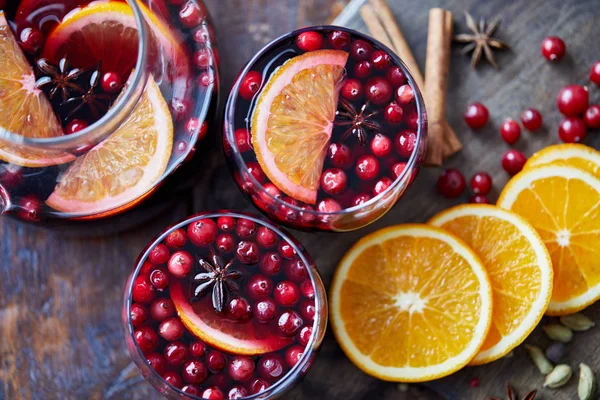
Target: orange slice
234	337
293	121
563	205
123	167
24	110
410	303
518	265
570	154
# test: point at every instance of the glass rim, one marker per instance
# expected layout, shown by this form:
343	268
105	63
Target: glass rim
127	101
241	164
281	385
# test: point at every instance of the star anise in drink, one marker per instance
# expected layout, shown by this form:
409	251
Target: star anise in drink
359	122
59	78
92	98
216	278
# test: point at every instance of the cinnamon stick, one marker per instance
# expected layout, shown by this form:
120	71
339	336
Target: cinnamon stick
451	143
436	73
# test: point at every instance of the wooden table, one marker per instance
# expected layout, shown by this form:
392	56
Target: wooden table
60	299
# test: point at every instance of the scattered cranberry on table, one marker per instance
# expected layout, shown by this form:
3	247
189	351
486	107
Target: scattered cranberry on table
572	130
573	100
481	183
476	115
592	116
513	161
531	119
553	48
595	73
479	199
510	131
451	183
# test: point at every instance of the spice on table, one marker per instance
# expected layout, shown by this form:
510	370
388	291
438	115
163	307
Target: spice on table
512	395
577	322
481	41
539	359
559	376
587	382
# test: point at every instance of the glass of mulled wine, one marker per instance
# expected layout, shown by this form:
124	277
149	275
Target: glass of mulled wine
325	129
224	306
100	102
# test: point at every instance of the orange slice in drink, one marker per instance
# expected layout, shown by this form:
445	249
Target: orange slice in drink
518	265
410	303
123	167
293	121
563	205
570	154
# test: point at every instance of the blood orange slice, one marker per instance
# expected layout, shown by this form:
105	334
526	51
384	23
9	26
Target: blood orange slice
234	337
293	121
123	167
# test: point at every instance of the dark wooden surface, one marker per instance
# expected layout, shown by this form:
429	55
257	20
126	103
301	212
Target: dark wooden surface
60	299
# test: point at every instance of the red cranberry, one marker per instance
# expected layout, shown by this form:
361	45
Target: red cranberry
307	215
181	264
173	379
405	94
259	286
243	141
405	143
171	329
308	310
216	361
362	69
146	338
180	108
157	362
266	238
271	264
239	309
553	48
202	232
194	372
245	229
293	354
477	115
381	145
241	368
513	161
225	243
139	315
111	82
309	41
192	126
296	270
398	169
258	385
143	290
451	183
595	73
393	113
237	392
11	176
305	334
572	130
176	239
206	79
30	207
307	289
367	168
160	254
592	116
226	224
289	322
412	119
160	278
378	90
339	40
382	185
161	309
573	100
250	85
192	389
531	119
190	15
396	76
340	155
286	250
481	183
75	125
213	393
381	60
202	58
256	171
361	199
271	366
510	131
352	89
285	211
31	40
286	293
479	199
197	349
248	252
265	310
147	268
334	181
361	50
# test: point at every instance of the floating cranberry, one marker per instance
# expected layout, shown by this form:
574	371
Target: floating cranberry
139	315
237	392
573	100
181	264
176	239
513	161
213	393
405	143
190	15
173	379
75	125
393	113
572	130
382	185
398	169
305	334
296	270
11	176
146	338
479	199
333	181
31	40
510	131
381	60
362	69
192	126
481	183
258	385
194	372
157	362
29	208
531	119
592	116
361	50
265	310
161	309
271	366
308	310
160	278
405	94
412	119
256	171
289	322
286	250
241	368
147	268
171	329
476	116
271	264
111	82
307	289
248	252
553	48
451	183
266	238
250	85
143	290
243	141
159	254
595	73
361	199
226	224
202	232
225	243
216	361
396	76
340	155
367	167
293	354
259	286
197	349
202	58
239	309
245	229
381	145
286	293
339	40
352	89
192	389
378	90
309	41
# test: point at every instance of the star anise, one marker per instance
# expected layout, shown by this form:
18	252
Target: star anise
481	40
216	277
356	120
512	395
95	101
61	78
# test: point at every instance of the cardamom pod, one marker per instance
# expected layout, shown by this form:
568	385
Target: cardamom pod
557	332
577	322
539	359
403	387
559	376
587	382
